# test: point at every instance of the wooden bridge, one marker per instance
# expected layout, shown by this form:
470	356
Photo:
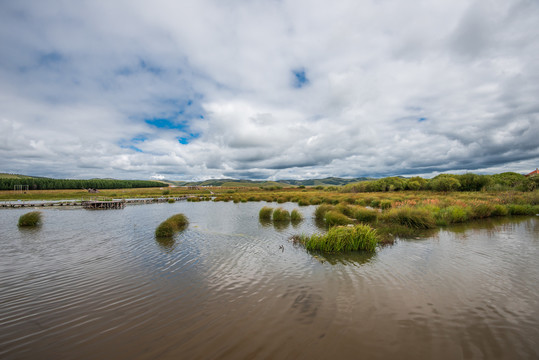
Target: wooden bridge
89	204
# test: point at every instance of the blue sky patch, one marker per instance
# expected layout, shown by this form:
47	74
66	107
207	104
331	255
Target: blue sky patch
186	139
166	124
422	119
300	78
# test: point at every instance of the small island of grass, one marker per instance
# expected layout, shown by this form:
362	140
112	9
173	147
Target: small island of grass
171	225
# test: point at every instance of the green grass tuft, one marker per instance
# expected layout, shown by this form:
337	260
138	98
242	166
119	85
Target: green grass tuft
32	218
265	213
296	216
343	239
415	218
365	215
321	211
171	225
281	214
334	217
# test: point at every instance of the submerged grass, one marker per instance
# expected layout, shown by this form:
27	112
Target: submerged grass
171	225
32	218
342	239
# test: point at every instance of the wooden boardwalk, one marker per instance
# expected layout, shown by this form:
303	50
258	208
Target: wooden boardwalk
104	205
89	204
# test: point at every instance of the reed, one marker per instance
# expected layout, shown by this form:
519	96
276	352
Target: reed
171	225
265	213
281	214
342	239
32	218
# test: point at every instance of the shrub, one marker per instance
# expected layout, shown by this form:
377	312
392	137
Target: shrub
415	218
265	213
281	214
362	214
321	211
333	218
296	216
171	225
343	239
375	203
32	218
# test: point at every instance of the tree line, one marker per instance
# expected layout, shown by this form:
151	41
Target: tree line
449	182
56	184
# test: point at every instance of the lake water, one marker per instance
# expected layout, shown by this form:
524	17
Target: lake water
97	284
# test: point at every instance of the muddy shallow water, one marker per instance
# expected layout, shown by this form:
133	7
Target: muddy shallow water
97	284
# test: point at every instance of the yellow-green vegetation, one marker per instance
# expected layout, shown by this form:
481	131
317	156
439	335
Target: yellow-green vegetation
171	225
265	213
32	218
296	216
342	239
281	214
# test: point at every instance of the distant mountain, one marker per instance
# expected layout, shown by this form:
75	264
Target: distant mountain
330	181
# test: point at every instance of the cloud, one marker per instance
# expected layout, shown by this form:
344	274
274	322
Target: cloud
268	89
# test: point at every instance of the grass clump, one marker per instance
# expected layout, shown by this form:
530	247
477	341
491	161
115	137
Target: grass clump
415	218
265	213
342	239
333	218
32	218
365	215
171	201
296	216
517	209
171	225
321	211
452	215
281	214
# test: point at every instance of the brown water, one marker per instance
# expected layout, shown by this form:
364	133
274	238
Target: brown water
96	284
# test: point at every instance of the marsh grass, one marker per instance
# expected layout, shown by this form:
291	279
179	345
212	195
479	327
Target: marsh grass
296	216
321	211
265	213
171	225
281	214
32	218
333	218
342	239
171	201
415	218
365	215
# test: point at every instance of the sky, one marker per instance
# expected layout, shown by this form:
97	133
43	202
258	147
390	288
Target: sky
268	89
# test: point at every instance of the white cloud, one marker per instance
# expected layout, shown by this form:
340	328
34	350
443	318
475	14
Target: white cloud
393	88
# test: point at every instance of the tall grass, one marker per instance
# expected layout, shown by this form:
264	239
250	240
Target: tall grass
265	213
296	216
365	215
32	218
281	214
171	225
333	218
416	218
321	211
342	239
